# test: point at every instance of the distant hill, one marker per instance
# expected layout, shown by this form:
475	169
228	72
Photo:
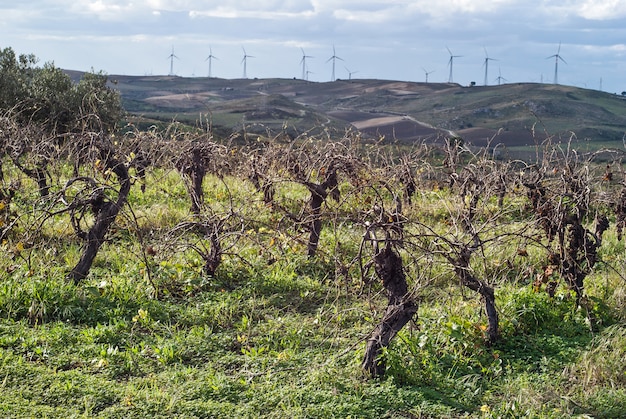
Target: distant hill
516	115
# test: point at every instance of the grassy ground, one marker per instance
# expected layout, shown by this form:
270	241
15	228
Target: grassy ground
281	336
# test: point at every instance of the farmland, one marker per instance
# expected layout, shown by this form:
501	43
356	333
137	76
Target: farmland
516	116
167	270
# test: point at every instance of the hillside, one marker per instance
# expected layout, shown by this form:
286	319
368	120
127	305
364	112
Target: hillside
515	115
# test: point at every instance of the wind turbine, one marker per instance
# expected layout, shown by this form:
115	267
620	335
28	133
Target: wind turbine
307	74
303	62
350	73
451	62
500	79
426	73
244	61
210	59
557	57
486	64
333	59
171	57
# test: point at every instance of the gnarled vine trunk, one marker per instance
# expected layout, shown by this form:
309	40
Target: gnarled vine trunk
197	172
319	193
39	175
400	310
105	217
487	292
318	196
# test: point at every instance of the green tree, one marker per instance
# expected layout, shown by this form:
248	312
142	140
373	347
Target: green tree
47	96
50	99
97	106
15	74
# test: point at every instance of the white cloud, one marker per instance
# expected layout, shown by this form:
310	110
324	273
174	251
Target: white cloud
367	11
368	16
599	10
347	10
618	48
105	9
124	9
230	13
266	9
126	35
461	6
602	9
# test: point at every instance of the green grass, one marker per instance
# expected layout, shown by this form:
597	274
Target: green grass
274	334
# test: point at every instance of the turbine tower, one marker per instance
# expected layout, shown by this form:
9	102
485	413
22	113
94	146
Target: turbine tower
171	58
450	64
557	57
210	59
426	73
244	61
303	62
350	73
486	64
333	59
500	79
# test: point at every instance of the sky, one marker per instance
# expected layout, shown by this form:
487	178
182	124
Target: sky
383	39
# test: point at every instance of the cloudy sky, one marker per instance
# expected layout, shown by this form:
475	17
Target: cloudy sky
390	39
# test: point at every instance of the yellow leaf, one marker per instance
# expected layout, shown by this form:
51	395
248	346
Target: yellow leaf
2	205
19	247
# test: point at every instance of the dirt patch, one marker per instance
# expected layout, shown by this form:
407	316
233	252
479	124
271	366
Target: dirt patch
377	122
397	128
183	101
350	116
